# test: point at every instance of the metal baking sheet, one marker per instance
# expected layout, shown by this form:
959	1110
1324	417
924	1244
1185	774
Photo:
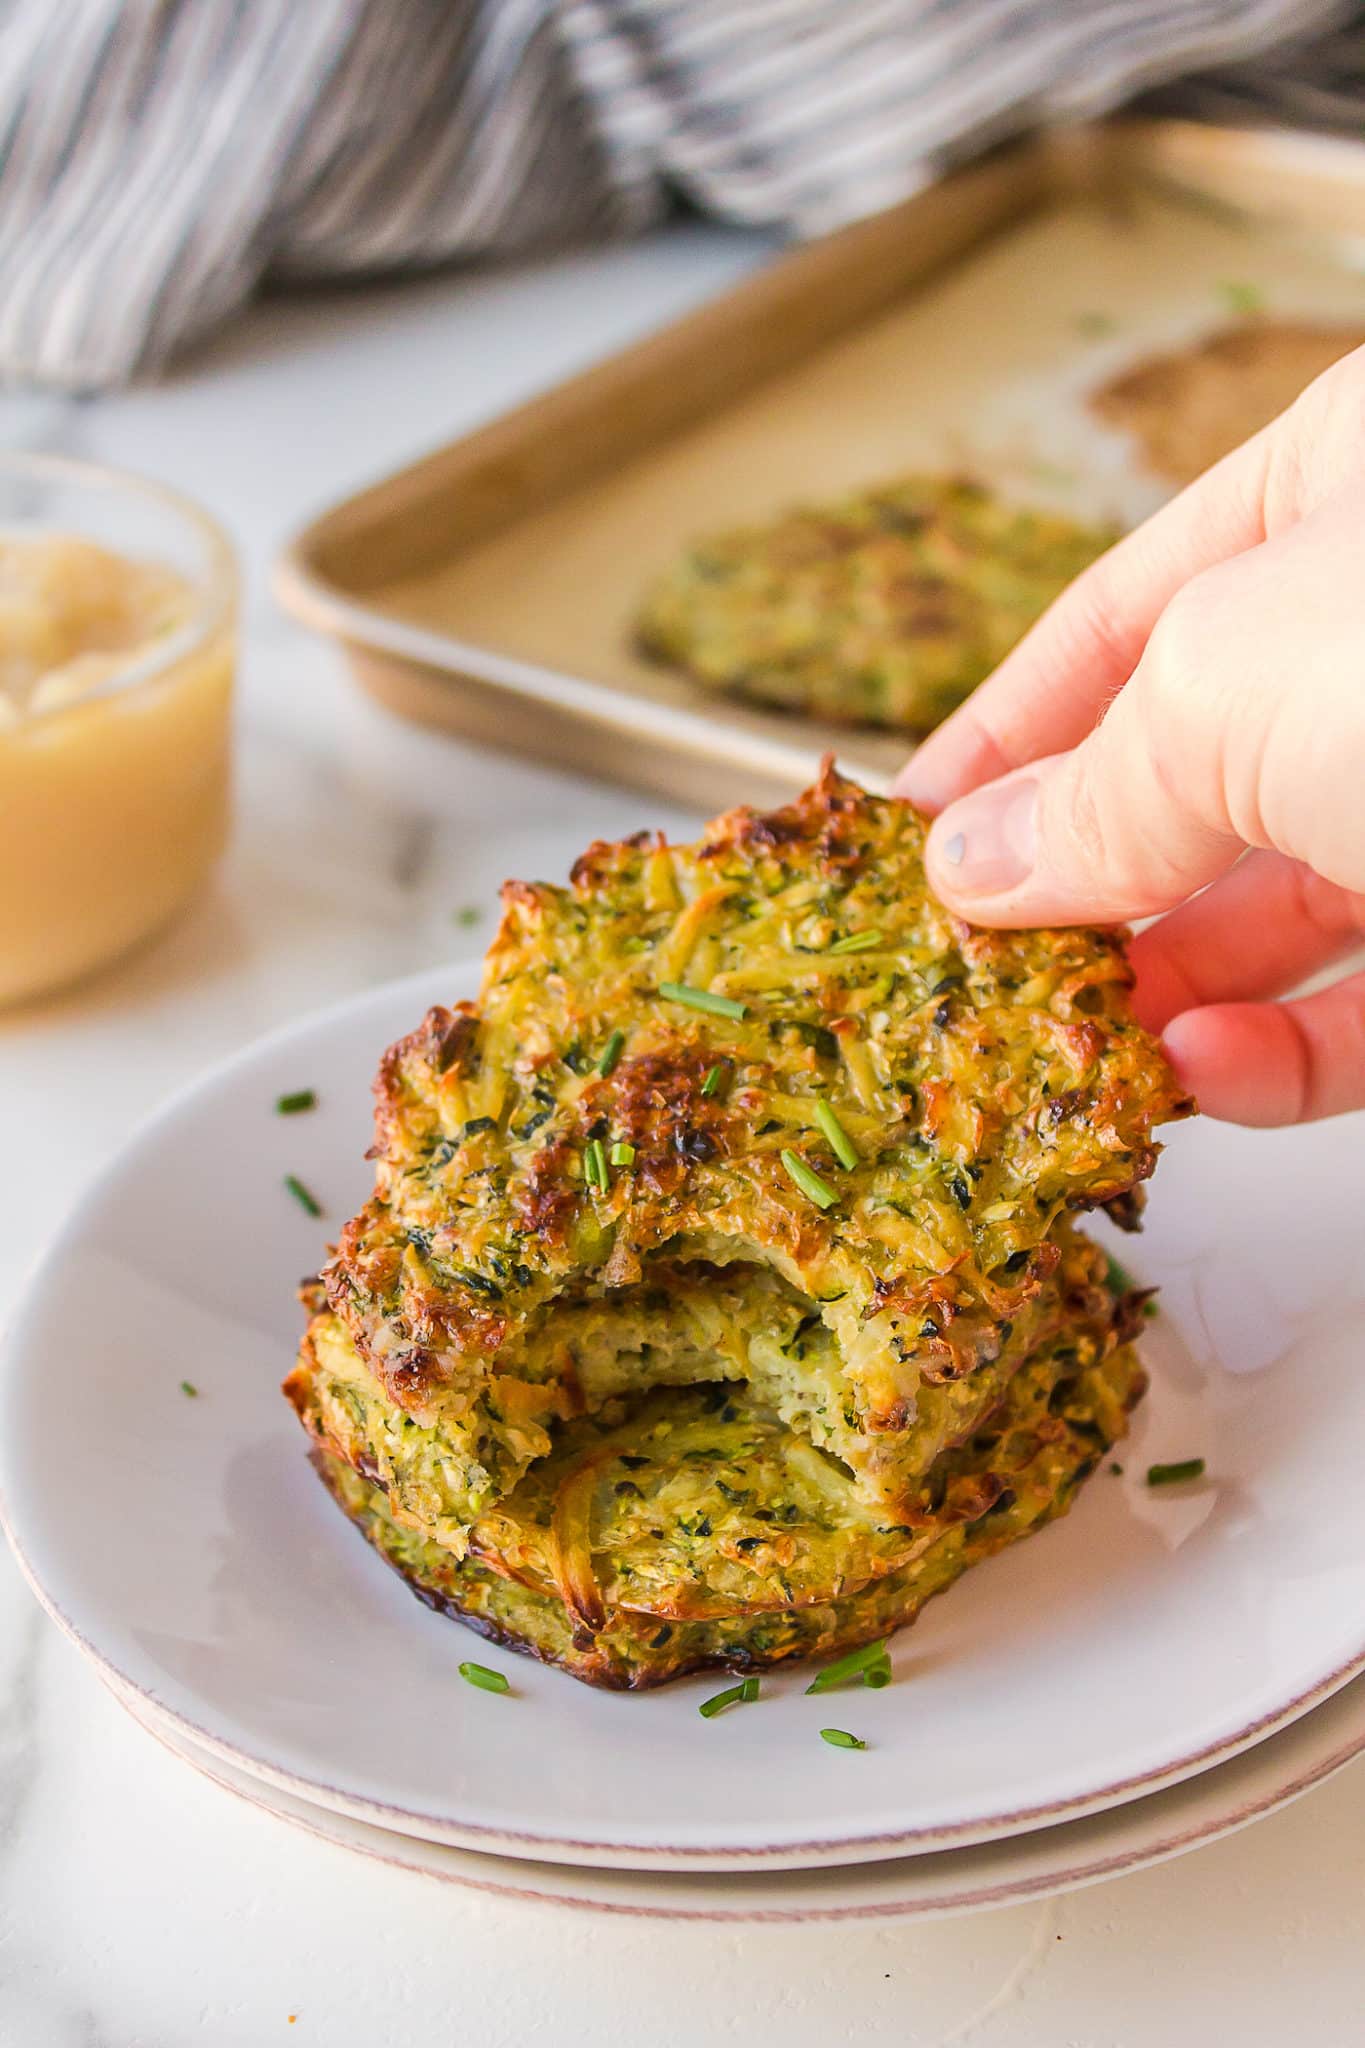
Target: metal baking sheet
490	588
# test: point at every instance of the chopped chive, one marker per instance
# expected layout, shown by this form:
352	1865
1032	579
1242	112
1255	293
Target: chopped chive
869	1657
595	1165
1243	298
840	1143
876	1676
486	1680
1116	1468
714	1076
290	1105
1117	1278
746	1690
839	1738
1173	1475
856	942
611	1053
809	1181
186	1387
702	999
301	1195
622	1154
468	916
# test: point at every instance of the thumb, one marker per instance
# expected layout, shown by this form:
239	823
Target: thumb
1111	830
1242	725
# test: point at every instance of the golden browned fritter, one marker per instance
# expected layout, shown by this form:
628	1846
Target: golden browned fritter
1188	409
700	1531
688	1325
884	609
771	1053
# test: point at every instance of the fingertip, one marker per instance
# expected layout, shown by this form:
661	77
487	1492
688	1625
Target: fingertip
1242	1062
957	758
1160	990
1184	1043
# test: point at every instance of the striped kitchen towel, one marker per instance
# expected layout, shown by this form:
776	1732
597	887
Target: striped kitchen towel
160	158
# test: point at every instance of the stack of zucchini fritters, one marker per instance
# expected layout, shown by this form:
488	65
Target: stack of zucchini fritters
717	1301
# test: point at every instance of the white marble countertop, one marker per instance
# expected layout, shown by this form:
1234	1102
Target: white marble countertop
140	1906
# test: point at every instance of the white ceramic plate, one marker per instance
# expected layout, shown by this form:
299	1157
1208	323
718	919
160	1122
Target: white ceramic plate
1037	1865
186	1544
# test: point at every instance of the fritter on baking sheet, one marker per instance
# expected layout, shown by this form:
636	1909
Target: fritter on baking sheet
771	1050
885	609
684	1325
1190	408
701	1532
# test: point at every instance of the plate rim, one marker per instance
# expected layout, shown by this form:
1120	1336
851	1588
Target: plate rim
529	1844
383	1846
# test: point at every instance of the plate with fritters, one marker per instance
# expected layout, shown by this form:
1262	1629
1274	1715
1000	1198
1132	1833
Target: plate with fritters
885	608
158	1492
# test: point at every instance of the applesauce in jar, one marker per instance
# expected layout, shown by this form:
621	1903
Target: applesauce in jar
117	606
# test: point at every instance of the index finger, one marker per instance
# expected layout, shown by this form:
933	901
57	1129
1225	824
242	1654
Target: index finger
1050	691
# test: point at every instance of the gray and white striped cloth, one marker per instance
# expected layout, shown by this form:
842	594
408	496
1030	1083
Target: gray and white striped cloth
159	159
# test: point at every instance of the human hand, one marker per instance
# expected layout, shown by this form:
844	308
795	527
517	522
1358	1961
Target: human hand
1197	693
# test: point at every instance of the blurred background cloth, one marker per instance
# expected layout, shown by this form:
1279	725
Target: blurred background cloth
160	159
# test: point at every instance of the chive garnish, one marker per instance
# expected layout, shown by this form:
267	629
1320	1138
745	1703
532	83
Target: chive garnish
486	1680
187	1388
857	1664
702	999
301	1195
1172	1475
808	1180
1116	1468
595	1165
857	942
1117	1278
290	1105
611	1053
840	1143
467	916
622	1154
839	1738
746	1690
1241	297
711	1084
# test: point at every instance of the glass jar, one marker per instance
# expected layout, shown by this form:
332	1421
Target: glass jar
117	650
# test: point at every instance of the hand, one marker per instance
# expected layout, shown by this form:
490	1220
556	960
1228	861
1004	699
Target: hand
1197	693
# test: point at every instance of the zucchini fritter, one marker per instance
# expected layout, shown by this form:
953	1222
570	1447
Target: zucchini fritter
701	1532
885	609
686	1325
1188	409
771	1053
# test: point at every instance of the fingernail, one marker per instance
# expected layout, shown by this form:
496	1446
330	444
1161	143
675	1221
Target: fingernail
985	842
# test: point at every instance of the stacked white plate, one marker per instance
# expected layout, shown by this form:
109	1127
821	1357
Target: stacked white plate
1158	1668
